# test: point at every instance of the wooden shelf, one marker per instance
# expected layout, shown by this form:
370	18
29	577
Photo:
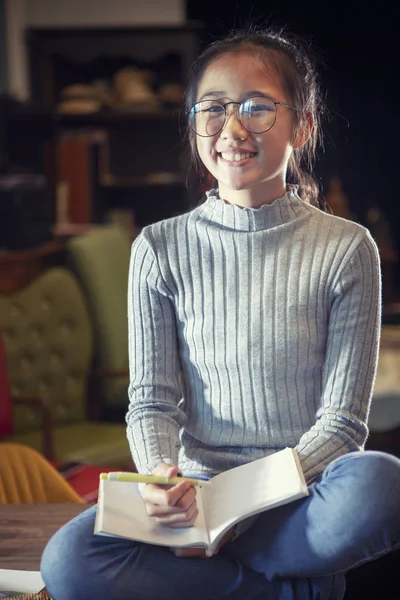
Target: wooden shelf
101	119
142	148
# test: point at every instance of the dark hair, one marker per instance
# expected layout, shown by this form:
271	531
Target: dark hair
294	66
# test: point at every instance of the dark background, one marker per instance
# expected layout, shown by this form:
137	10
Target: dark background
358	50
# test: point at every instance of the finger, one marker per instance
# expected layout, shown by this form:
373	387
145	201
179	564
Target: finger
168	496
165	511
183	519
182	505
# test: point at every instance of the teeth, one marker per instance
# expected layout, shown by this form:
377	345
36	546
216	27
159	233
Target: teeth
230	156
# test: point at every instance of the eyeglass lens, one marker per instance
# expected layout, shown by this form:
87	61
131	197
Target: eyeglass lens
256	114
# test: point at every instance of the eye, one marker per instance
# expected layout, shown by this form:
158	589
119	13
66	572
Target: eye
213	108
258	106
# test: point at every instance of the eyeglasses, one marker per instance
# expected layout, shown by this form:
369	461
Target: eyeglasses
256	114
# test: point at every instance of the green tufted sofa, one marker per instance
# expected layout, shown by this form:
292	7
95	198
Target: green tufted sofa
47	336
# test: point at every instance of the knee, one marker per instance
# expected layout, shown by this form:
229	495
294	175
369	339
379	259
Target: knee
371	474
50	561
76	564
379	469
60	566
63	560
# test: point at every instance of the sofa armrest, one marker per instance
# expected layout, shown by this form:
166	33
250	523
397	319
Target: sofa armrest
47	434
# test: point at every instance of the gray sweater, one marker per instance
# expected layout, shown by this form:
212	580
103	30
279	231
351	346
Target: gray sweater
251	330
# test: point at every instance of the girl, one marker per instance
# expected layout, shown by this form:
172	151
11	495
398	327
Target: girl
254	325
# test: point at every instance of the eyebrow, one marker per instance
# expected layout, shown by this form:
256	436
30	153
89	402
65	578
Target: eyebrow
216	94
249	94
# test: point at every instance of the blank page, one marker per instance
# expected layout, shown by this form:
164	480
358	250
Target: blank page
121	512
252	488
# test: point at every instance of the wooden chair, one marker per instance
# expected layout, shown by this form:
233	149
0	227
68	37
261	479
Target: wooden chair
26	477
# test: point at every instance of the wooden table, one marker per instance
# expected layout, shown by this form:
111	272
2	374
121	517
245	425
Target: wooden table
26	528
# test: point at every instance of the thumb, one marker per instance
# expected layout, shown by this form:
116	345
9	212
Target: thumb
172	471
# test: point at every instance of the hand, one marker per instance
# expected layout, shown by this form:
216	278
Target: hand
200	552
173	506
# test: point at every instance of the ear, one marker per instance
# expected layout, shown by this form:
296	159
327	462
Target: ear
304	130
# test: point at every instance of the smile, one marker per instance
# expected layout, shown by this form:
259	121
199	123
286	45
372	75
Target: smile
237	156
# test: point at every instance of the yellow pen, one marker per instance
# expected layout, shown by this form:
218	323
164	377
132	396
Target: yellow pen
157	479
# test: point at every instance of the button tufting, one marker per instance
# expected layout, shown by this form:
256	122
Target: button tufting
56	360
26	362
36	334
8	335
45	304
16	310
65	327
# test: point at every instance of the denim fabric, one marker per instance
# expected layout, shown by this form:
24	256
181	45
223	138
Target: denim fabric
295	552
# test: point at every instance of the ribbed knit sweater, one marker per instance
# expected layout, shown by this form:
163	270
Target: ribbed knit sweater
251	330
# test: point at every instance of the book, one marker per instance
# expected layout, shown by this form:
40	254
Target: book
25	582
81	160
227	498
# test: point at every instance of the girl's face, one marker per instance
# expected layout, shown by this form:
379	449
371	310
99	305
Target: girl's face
260	177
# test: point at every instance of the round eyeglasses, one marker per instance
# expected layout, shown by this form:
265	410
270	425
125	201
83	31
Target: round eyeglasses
257	114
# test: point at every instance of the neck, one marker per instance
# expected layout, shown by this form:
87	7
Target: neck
255	196
233	217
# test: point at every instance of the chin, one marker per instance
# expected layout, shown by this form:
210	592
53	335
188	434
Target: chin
239	185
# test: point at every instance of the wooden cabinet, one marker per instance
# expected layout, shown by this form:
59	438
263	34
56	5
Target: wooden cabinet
142	162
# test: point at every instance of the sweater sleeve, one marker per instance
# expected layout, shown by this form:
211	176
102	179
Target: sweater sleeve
154	417
350	364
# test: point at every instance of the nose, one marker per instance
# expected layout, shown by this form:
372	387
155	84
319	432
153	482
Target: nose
233	128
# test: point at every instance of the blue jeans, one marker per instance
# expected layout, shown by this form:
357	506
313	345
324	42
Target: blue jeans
299	551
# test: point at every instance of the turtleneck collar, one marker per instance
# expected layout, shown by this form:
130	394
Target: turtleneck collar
230	216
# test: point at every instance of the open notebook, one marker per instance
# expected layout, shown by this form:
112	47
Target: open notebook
226	499
19	582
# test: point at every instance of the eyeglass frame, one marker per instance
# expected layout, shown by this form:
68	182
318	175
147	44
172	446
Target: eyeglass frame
237	114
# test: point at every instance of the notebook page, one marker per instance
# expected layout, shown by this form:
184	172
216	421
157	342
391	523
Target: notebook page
252	488
21	581
121	513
